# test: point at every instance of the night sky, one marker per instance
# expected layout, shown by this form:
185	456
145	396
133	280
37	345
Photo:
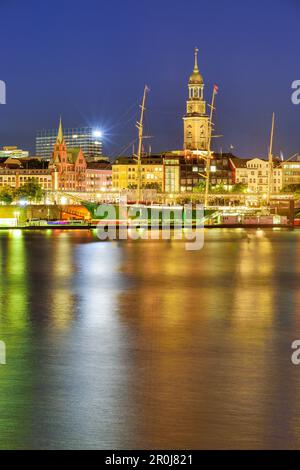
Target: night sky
89	60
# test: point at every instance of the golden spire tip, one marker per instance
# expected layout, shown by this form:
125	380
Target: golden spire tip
196	59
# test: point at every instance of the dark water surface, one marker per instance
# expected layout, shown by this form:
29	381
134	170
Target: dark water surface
146	345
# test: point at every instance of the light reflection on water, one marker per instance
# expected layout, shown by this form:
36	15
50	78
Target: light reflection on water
145	345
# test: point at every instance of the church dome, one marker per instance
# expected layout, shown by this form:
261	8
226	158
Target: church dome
196	78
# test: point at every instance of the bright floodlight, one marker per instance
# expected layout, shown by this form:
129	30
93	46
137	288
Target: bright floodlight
97	133
22	202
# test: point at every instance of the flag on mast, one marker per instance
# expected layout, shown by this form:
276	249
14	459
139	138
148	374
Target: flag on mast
216	89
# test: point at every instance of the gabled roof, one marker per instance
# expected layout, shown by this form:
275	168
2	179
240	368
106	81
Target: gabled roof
72	154
98	166
13	162
257	158
239	162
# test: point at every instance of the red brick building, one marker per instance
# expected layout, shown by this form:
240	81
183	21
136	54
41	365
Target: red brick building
68	166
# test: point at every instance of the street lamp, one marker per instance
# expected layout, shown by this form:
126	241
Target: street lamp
17	215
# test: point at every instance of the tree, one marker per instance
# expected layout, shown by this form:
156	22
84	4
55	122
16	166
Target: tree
239	188
7	195
183	200
30	191
201	187
219	189
153	185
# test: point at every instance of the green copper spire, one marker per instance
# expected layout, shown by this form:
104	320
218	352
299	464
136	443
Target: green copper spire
60	135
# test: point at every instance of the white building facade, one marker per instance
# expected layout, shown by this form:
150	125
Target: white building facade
254	173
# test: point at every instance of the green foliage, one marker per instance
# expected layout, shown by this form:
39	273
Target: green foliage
201	187
153	185
183	200
30	191
239	188
7	195
219	189
216	189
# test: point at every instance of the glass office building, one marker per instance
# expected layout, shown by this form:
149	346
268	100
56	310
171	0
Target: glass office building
87	138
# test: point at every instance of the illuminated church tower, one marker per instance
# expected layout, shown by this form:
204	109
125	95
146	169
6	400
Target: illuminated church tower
68	164
60	148
196	121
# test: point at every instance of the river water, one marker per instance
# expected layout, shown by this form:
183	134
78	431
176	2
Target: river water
132	345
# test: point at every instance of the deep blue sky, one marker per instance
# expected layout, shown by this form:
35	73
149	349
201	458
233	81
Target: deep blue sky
89	60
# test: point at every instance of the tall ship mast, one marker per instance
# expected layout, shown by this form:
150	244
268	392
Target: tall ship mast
138	156
208	158
271	165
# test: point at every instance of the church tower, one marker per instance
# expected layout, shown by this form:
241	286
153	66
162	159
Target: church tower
60	148
196	122
59	158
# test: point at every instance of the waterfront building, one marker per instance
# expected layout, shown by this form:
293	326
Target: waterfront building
98	177
67	170
172	172
291	172
125	173
254	174
172	167
87	139
18	178
13	152
68	165
15	173
185	172
240	170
